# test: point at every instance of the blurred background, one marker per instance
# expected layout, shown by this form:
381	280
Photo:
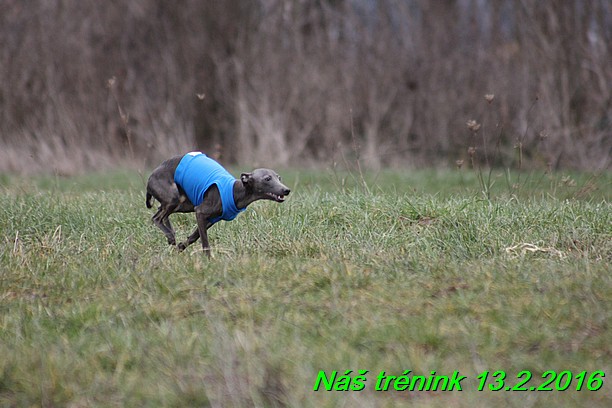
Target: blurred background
89	85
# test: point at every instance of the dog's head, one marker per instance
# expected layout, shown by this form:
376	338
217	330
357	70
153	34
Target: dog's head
265	184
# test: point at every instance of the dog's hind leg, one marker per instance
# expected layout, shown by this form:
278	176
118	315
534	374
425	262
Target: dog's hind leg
160	219
167	193
168	225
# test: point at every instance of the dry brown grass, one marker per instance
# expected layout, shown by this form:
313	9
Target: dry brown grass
280	82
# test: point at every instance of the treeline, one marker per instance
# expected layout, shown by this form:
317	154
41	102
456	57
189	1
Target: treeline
92	84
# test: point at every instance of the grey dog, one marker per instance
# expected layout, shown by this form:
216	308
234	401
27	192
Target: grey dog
195	182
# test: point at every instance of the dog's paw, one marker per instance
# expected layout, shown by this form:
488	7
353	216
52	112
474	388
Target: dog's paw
181	247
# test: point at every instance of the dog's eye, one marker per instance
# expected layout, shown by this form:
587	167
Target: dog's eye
279	178
268	178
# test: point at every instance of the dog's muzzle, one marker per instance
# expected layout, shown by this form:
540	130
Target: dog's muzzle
279	198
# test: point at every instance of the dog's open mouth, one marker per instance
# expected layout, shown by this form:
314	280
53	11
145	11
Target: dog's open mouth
276	197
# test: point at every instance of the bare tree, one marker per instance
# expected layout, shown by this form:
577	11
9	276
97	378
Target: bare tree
391	82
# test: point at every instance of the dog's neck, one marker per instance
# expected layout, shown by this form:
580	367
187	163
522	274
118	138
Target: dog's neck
243	197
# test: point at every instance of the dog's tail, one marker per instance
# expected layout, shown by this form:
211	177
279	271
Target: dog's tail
148	201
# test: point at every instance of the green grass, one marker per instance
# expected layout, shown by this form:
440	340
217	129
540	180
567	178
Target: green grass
398	271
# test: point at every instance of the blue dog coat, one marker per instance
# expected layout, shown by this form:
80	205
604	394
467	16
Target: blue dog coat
196	172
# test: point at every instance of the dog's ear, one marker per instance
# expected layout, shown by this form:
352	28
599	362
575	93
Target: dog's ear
246	178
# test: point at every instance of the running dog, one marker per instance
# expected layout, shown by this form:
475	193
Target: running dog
195	182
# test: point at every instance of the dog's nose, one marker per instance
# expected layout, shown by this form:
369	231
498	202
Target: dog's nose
286	191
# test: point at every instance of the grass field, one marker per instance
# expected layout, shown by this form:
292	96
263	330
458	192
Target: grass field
391	271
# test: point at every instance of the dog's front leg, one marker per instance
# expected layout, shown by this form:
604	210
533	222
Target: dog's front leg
203	225
190	240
